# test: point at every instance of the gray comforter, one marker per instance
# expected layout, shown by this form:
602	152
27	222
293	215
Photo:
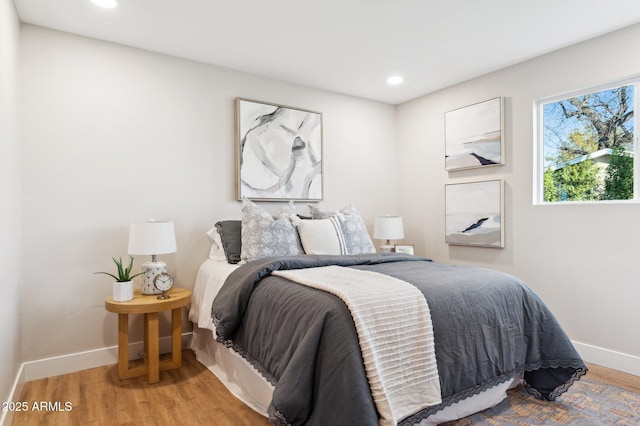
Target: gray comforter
488	328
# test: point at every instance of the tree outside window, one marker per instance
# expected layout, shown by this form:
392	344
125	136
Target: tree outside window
587	145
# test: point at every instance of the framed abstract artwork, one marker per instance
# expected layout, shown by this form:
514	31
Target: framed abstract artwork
474	135
474	213
278	152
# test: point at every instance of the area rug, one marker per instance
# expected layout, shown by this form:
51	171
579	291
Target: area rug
587	403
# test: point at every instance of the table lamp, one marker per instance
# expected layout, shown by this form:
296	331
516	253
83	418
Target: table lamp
388	228
151	238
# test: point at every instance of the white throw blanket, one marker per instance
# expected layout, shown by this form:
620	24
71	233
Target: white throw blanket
395	333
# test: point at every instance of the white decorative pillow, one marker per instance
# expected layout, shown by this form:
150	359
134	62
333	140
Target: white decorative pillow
322	236
355	233
264	235
216	252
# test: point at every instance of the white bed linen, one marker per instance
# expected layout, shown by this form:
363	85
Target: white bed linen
209	280
248	385
242	380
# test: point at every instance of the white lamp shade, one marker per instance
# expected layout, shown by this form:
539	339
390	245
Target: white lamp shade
388	228
152	237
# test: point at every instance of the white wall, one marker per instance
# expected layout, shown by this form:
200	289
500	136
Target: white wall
113	134
10	209
581	259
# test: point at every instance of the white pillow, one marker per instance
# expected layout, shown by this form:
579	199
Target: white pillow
322	236
217	251
355	232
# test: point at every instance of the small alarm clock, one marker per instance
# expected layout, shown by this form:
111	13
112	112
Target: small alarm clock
163	282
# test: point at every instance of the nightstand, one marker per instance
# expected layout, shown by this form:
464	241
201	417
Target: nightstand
149	305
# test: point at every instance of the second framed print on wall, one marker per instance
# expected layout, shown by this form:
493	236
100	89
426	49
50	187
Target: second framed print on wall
279	152
474	213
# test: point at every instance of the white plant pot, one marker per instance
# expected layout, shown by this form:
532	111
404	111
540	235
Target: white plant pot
122	291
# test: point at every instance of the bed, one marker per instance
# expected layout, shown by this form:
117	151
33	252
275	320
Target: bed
294	353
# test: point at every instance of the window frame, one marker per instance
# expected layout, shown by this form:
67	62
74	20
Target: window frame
538	142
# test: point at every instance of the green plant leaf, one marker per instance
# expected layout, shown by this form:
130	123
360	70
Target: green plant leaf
120	270
106	273
128	270
124	274
133	276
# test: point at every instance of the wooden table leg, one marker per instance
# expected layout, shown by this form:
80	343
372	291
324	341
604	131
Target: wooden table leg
176	336
123	345
150	307
153	347
145	338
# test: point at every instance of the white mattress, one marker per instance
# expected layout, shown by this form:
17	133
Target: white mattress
248	385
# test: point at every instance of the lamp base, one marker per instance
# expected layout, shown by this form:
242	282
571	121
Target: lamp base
386	248
151	269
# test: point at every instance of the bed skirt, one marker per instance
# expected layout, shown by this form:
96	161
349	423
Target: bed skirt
238	376
246	383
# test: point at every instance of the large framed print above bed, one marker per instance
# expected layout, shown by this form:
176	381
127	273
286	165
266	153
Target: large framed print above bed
474	213
474	135
279	152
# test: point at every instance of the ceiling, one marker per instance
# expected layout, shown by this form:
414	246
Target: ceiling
345	46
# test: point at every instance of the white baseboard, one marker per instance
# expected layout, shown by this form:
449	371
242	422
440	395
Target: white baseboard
608	358
63	364
6	417
54	366
47	367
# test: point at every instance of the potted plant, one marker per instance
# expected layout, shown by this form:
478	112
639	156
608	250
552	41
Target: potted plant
123	284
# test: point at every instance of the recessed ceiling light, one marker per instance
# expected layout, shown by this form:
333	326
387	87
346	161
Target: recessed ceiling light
107	4
395	79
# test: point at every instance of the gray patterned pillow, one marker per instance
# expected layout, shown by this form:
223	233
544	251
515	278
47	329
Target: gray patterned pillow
355	233
264	235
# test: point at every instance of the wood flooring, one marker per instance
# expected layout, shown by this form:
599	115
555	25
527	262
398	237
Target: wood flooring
191	395
188	396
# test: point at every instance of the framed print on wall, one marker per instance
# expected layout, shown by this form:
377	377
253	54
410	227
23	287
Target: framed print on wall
474	135
278	152
404	248
474	213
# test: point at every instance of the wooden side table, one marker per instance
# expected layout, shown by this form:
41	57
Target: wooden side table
150	305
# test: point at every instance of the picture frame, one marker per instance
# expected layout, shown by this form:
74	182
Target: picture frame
278	152
404	248
474	213
474	135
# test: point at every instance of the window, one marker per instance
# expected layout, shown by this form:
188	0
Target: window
586	146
